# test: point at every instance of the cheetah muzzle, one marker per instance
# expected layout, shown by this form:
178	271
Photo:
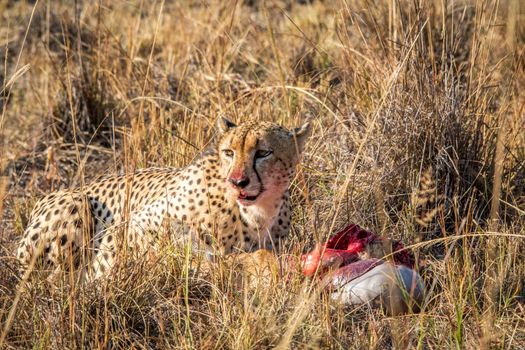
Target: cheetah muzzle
233	198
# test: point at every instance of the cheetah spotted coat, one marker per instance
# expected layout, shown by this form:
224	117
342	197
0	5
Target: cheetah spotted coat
87	227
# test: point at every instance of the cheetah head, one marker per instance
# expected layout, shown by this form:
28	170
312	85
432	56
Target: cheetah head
258	159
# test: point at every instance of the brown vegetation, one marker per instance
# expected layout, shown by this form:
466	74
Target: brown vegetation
417	108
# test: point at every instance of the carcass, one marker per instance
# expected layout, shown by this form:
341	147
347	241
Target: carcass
357	267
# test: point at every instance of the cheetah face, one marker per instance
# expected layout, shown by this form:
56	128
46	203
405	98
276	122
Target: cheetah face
258	159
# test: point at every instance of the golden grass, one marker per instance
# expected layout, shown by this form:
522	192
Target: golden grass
393	88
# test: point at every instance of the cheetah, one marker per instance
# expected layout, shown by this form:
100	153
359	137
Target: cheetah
233	198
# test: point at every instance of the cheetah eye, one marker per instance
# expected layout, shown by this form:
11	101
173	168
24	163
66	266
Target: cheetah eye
228	153
262	153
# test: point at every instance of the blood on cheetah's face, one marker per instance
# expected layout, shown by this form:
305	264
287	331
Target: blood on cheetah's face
258	159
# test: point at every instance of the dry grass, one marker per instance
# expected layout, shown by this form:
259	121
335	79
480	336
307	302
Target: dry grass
407	99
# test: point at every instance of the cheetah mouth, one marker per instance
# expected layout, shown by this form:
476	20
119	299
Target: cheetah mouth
246	199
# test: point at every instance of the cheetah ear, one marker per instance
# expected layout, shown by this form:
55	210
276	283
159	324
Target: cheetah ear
301	134
224	124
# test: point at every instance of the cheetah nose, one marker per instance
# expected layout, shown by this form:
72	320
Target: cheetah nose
240	183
